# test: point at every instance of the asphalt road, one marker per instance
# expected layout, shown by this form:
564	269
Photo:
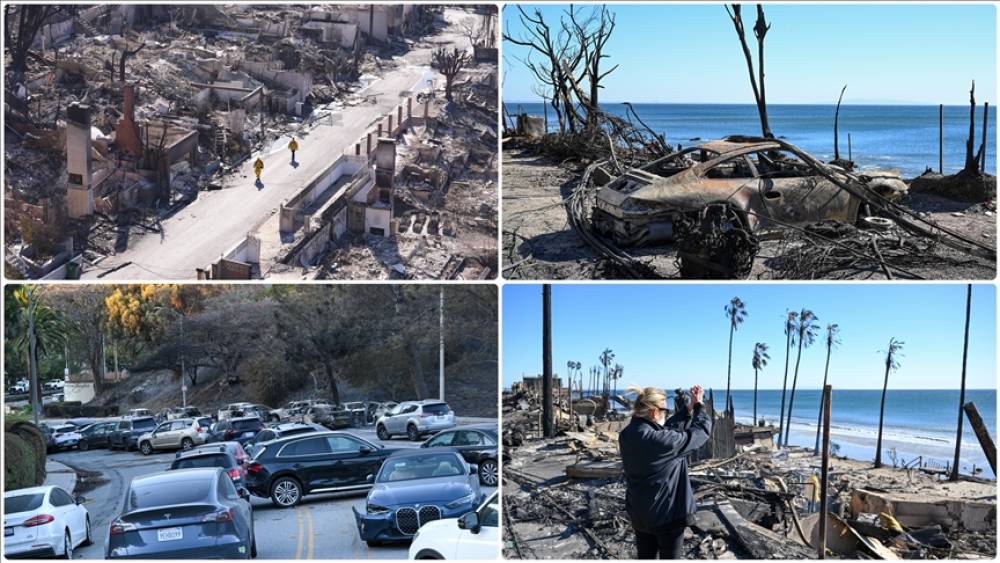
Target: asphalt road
321	527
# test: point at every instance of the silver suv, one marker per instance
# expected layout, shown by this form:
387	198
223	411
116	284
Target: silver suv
182	433
415	419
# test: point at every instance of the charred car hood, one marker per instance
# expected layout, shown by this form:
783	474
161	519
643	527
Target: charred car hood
436	490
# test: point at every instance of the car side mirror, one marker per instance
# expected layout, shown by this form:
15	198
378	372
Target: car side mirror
469	521
365	450
370	479
80	500
473	469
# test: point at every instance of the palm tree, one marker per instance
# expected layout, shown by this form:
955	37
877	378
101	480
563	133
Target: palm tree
832	340
606	357
891	364
51	330
805	332
790	318
736	312
760	359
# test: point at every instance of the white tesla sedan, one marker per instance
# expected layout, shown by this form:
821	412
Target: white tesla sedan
43	522
474	535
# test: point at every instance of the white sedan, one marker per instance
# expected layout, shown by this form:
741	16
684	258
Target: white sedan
43	522
475	535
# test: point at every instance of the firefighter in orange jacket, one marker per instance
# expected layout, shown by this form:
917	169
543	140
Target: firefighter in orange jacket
258	167
293	146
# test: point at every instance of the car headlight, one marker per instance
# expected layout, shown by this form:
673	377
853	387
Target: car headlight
376	508
467	499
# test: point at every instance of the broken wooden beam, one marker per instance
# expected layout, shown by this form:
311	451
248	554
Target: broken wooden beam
989	447
759	542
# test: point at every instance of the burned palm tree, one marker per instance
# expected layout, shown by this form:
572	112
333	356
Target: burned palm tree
736	312
790	318
805	332
832	340
760	359
607	356
892	355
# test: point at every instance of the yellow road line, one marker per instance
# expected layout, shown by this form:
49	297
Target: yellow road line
309	530
298	543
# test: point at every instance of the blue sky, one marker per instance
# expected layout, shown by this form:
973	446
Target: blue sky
894	53
672	335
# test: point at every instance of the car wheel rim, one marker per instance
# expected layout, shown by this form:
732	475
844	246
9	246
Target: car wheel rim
286	493
186	444
490	473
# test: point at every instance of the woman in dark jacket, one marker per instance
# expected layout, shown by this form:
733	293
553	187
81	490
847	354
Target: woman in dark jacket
654	457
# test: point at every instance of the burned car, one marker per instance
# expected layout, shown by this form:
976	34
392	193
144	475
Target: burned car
752	183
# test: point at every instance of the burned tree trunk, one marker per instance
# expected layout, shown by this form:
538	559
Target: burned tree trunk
760	30
972	158
126	54
449	64
20	30
836	126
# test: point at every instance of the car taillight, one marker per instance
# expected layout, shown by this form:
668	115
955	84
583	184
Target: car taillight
234	474
38	520
221	516
229	433
199	429
118	527
255	468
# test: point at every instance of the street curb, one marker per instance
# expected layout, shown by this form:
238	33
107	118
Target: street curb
60	475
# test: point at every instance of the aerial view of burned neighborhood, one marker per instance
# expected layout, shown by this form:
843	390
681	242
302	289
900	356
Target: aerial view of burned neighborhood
232	421
280	142
762	146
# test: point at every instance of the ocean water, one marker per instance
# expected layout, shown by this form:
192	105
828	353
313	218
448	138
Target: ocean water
903	137
917	422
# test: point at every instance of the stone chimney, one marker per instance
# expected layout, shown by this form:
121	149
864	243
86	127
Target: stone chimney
79	165
126	131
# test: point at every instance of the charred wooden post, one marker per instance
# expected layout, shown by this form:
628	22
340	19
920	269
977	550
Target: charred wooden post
941	139
961	392
548	424
971	157
849	155
985	441
824	478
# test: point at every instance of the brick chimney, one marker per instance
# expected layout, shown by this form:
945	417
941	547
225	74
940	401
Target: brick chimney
126	131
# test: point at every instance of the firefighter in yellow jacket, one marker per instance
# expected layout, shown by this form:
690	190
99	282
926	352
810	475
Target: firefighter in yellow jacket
258	167
293	146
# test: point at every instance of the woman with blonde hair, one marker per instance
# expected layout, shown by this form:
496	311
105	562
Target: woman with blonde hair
654	451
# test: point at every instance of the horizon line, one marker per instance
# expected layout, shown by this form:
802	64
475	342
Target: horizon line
885	103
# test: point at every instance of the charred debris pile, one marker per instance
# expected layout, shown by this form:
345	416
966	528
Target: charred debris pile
138	107
564	497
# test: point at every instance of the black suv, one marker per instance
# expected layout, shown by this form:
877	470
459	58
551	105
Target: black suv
478	445
318	462
126	434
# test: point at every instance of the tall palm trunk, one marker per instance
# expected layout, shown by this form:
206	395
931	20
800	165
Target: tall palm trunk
784	385
819	420
755	397
881	417
729	369
791	398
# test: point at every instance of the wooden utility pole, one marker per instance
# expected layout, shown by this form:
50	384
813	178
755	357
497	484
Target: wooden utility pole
961	392
849	156
548	425
941	139
824	477
989	447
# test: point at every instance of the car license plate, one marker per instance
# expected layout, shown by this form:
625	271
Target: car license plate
169	534
8	531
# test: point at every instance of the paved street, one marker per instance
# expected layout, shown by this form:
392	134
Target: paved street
321	527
